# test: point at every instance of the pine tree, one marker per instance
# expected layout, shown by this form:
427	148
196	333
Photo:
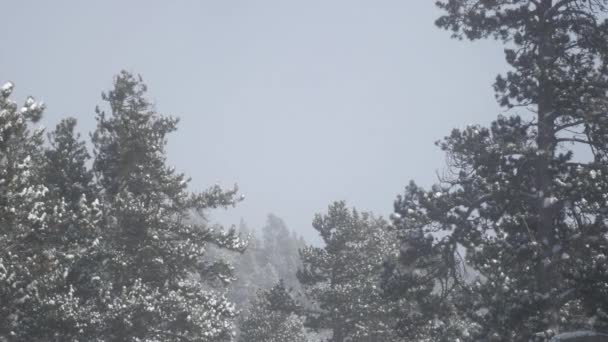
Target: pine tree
262	265
21	213
280	250
65	171
246	270
526	197
36	251
75	214
274	316
147	279
342	278
70	182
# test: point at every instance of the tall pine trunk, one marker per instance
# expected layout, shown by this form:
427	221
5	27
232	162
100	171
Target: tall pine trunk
544	178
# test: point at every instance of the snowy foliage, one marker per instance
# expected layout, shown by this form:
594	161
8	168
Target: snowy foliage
342	278
517	238
274	316
113	253
265	262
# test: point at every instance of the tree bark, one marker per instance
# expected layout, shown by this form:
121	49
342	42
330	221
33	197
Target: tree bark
546	147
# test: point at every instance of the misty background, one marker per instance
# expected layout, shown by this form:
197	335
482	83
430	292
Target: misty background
300	103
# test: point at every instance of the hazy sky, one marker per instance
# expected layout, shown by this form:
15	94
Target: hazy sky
299	102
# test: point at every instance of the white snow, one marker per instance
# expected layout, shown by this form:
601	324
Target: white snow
29	101
7	87
549	201
593	174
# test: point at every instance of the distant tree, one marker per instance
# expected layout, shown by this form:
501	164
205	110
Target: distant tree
280	250
342	277
275	316
246	270
265	262
526	197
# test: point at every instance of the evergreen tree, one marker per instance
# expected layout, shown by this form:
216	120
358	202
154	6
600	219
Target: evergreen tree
147	279
526	197
21	213
76	216
37	252
280	250
274	317
70	182
342	278
265	262
246	270
65	171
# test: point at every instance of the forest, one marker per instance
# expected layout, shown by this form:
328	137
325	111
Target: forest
102	240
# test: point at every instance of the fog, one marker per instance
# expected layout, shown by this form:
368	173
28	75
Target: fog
300	103
120	222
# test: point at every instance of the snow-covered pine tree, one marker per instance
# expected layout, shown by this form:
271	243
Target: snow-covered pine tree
148	279
36	251
526	197
21	213
274	316
70	182
420	280
342	278
65	171
74	216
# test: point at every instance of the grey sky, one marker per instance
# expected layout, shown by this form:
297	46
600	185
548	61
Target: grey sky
299	102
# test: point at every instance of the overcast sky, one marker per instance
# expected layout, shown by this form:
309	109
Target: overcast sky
299	102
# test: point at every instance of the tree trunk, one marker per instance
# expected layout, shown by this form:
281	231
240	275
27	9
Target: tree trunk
544	176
